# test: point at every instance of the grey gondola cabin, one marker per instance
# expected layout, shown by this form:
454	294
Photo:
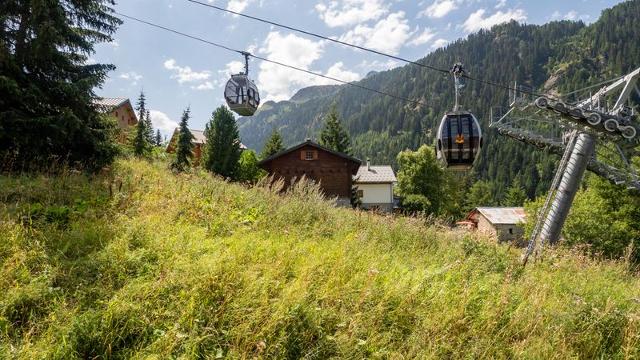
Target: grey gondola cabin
459	140
241	93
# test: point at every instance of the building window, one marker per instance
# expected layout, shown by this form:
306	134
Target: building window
360	193
510	231
308	155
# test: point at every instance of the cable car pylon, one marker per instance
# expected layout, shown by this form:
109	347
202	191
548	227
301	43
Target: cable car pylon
589	121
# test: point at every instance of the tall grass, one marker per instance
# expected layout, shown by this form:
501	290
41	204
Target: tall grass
141	263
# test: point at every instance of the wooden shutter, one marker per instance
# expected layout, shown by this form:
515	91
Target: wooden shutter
315	154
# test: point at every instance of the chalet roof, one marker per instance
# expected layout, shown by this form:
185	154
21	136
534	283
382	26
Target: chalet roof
380	174
108	104
313	144
200	138
502	215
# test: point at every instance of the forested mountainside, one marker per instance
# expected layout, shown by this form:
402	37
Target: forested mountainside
572	53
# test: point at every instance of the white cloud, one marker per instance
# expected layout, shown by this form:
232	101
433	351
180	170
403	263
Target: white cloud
423	38
132	76
277	82
237	5
337	71
439	43
350	12
387	35
501	4
377	65
477	20
184	74
162	121
207	85
439	8
571	15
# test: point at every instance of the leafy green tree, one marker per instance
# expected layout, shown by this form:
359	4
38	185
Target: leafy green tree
274	144
421	181
223	144
141	144
248	170
516	195
333	135
184	146
47	109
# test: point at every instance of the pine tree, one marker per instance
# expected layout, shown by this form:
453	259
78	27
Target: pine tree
333	135
184	146
223	144
274	144
46	102
516	195
141	144
158	138
151	138
479	195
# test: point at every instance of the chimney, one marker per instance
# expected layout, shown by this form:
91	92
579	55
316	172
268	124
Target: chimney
368	164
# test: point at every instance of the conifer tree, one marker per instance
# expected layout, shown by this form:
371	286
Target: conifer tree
274	144
516	195
158	138
184	146
47	106
333	135
141	144
223	144
151	138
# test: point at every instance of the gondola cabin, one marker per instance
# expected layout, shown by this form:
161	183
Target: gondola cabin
242	95
459	140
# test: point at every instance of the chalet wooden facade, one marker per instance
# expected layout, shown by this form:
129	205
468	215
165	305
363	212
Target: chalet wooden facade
332	170
122	110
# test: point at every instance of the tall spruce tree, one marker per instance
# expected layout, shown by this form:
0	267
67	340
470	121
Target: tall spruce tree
47	106
151	137
516	195
274	144
223	144
141	144
184	146
158	138
333	135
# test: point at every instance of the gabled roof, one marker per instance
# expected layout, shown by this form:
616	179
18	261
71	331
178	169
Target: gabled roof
199	138
313	144
501	215
381	174
108	104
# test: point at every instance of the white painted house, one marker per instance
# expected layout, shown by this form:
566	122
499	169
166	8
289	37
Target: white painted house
375	187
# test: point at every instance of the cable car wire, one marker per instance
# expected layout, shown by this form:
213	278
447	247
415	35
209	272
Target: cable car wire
398	97
444	71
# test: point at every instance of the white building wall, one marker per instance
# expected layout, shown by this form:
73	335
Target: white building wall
376	193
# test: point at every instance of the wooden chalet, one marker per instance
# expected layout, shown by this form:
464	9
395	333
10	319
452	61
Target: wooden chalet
199	141
332	170
122	110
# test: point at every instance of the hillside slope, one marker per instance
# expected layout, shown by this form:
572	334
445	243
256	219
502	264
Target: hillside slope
573	53
142	263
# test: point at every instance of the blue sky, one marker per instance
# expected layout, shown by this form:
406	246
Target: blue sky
177	72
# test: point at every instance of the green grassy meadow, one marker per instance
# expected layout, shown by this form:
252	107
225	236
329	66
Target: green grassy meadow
141	263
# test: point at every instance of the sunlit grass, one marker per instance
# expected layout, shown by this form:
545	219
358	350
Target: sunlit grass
143	263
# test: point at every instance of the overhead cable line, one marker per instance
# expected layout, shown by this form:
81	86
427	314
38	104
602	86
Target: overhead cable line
398	97
444	71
